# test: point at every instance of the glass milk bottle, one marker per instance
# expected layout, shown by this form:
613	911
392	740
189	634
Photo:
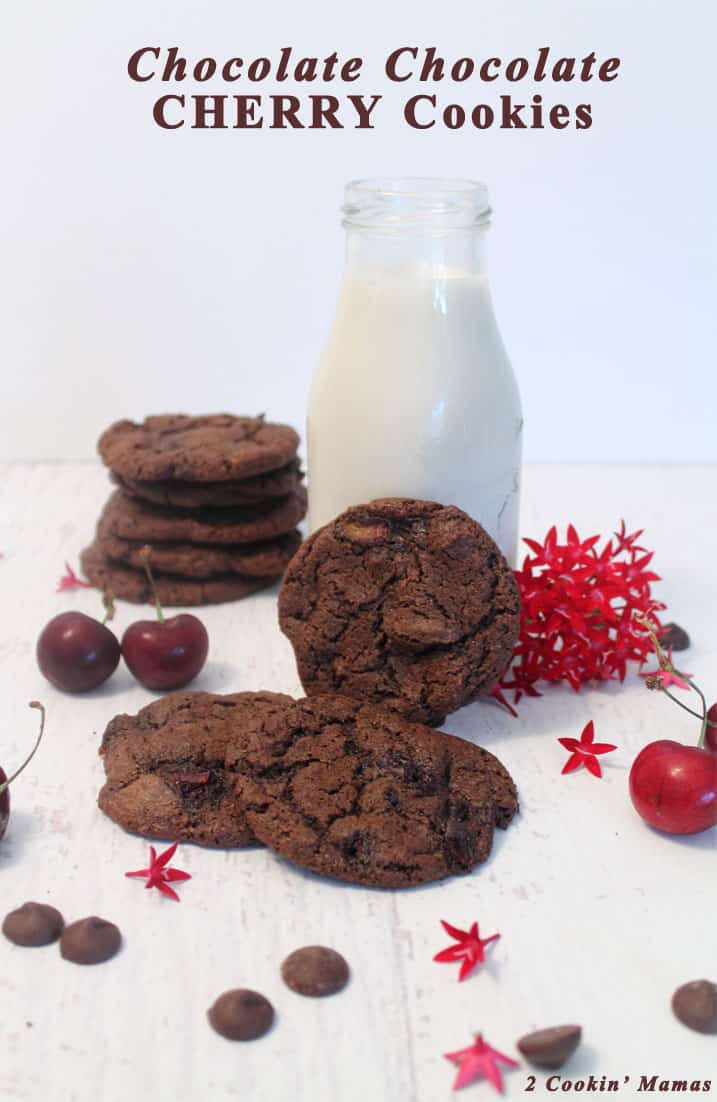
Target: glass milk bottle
414	395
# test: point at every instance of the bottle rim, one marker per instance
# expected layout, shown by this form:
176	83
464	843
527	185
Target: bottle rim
429	203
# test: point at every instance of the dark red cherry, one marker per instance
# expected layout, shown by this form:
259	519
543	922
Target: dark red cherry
77	653
166	654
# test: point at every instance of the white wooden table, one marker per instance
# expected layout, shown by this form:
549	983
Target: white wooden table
601	918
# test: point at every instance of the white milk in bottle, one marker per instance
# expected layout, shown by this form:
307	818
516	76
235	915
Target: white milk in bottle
414	395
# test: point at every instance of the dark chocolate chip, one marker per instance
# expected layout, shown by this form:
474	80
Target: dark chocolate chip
90	941
315	971
695	1005
672	635
550	1048
33	924
241	1015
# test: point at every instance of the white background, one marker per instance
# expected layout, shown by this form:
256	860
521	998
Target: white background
146	271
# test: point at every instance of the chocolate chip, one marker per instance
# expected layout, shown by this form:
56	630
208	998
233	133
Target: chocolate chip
550	1048
90	941
672	635
695	1005
315	971
33	924
241	1015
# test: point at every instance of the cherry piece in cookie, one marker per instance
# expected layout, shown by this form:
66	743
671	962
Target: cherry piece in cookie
76	652
315	971
165	654
241	1015
695	1005
33	924
90	940
550	1048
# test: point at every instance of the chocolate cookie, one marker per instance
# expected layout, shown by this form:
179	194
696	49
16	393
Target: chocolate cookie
212	448
166	769
403	602
194	560
193	495
128	584
359	793
131	519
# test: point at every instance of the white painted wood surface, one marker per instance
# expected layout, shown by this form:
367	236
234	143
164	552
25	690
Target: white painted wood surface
600	917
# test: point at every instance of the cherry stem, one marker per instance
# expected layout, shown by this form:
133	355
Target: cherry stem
683	706
109	605
28	759
144	555
666	664
703	728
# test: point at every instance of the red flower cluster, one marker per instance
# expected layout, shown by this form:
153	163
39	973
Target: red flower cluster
580	608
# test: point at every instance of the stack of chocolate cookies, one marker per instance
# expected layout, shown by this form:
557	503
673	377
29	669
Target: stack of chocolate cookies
216	498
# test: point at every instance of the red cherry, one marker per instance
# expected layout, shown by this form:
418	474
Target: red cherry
674	787
77	653
711	731
167	654
164	654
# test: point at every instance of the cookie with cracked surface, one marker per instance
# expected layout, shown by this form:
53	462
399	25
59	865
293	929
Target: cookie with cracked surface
166	770
402	602
131	519
359	793
193	495
210	448
193	560
128	584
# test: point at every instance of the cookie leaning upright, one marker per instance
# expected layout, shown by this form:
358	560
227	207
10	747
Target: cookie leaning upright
402	602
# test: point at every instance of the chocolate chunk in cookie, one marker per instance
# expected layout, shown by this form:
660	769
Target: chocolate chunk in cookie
193	495
131	519
166	769
212	448
194	560
407	603
129	584
359	793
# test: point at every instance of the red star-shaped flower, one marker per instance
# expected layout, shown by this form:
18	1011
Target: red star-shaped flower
158	875
479	1059
584	751
666	675
69	580
469	948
